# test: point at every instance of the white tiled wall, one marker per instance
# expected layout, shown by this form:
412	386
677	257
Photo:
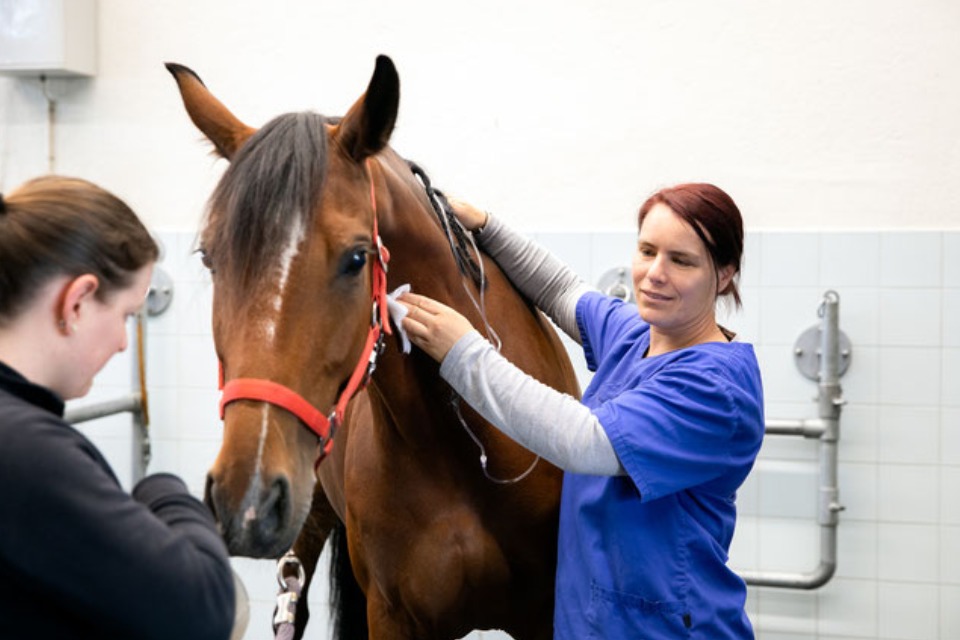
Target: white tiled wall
898	574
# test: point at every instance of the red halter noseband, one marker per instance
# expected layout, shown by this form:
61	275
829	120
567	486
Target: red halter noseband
288	399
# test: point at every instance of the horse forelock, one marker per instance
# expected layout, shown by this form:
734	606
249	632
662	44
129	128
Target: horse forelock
269	191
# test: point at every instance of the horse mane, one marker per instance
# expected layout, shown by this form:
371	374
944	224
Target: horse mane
270	186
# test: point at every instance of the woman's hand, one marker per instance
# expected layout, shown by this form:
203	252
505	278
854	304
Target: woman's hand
432	326
468	215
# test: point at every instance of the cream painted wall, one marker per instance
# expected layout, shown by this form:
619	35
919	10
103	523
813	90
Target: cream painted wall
814	115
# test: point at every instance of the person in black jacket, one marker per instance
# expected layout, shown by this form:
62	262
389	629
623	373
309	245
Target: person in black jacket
79	557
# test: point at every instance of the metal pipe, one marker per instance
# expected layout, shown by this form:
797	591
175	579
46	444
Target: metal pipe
808	428
827	430
103	409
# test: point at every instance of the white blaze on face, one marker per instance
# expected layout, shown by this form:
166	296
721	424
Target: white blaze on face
252	497
290	251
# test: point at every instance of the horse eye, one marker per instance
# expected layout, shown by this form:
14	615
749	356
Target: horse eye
206	259
355	261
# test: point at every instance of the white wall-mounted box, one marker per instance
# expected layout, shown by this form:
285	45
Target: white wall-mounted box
48	37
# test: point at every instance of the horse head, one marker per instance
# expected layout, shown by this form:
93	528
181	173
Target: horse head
289	238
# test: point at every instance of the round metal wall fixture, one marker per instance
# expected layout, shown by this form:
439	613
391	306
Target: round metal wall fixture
161	292
806	353
617	283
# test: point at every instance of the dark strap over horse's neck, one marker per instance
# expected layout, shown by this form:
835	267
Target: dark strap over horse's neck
288	399
452	229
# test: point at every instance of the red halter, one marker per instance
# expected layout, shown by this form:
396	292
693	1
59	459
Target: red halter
285	398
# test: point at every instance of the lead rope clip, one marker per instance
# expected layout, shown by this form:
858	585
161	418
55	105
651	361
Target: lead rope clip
290	588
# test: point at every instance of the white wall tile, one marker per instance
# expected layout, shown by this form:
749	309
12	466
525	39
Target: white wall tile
910	259
859	314
949	611
849	260
751	260
788	489
162	368
745	546
902	325
910	375
748	495
575	250
787	611
906	436
788	544
856	550
848	608
782	381
193	305
611	250
951	377
951	258
745	322
197	363
858	486
908	611
951	317
196	458
164	457
949	491
786	312
859	433
950	555
198	416
950	435
861	381
908	552
790	259
909	493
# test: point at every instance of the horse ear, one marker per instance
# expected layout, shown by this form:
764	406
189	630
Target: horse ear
216	122
366	128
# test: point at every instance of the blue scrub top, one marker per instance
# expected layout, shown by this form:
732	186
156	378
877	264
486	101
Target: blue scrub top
644	555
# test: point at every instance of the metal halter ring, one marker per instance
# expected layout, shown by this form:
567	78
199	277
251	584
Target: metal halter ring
289	558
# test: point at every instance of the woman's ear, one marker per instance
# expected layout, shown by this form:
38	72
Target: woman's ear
724	277
76	293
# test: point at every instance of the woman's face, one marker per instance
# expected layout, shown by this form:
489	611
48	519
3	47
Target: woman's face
674	278
102	332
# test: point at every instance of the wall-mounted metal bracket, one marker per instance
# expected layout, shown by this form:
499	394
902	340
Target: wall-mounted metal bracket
807	350
161	292
616	282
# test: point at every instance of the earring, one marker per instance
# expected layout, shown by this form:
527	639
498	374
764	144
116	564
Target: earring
62	325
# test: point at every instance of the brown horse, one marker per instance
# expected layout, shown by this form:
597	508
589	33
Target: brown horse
293	240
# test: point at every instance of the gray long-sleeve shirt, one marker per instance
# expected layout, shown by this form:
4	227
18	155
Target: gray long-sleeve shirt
552	424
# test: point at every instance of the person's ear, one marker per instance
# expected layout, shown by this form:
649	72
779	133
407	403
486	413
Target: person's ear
724	277
76	294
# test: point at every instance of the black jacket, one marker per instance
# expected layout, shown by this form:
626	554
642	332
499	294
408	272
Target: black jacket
81	558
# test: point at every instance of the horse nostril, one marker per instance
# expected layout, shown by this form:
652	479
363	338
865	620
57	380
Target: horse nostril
208	497
275	509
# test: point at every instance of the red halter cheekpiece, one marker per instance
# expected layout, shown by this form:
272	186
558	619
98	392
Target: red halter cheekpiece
288	399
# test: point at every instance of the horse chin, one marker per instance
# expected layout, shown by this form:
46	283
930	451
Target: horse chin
263	526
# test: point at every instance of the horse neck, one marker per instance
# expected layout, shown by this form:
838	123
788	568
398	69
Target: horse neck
407	385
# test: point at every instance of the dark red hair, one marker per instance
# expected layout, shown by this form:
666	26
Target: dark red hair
715	218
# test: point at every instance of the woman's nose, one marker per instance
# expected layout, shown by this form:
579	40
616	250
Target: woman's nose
657	270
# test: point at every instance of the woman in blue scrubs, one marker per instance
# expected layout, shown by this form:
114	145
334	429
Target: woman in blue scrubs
665	433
